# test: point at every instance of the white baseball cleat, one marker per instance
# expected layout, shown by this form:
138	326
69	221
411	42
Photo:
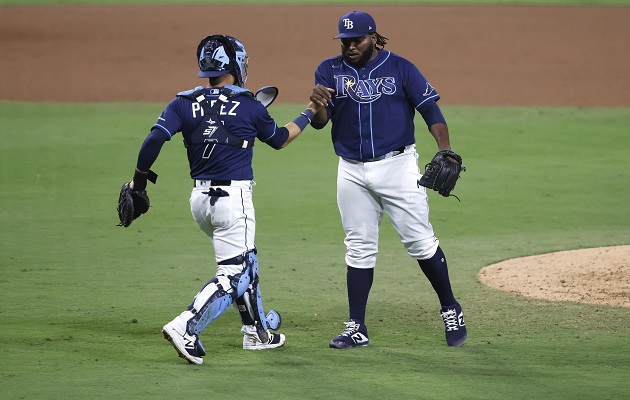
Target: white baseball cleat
251	341
187	346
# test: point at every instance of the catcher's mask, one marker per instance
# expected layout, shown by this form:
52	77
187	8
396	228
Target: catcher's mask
220	54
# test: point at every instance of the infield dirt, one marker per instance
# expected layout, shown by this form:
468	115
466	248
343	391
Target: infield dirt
473	55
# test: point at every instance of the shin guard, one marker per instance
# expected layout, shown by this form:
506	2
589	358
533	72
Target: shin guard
221	291
209	303
254	302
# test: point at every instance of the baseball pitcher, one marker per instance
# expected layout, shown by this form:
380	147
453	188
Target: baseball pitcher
371	96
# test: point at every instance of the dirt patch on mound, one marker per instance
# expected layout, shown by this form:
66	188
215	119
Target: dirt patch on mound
599	276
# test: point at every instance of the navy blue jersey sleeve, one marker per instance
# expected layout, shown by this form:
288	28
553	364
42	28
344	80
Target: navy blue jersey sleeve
431	113
268	131
417	88
170	121
151	149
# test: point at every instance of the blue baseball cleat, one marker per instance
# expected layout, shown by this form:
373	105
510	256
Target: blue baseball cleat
355	335
453	317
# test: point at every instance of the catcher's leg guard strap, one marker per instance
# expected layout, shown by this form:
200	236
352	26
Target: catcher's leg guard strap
244	311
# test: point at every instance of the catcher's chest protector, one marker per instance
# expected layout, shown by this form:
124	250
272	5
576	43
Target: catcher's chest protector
213	130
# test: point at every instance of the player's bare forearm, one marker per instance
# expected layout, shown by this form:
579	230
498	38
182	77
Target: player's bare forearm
320	118
294	132
440	133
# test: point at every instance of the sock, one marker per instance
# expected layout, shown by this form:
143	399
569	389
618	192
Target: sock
436	271
359	282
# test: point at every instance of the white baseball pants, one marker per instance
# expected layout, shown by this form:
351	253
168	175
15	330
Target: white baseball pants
367	189
230	222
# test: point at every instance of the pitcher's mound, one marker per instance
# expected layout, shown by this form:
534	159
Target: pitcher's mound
599	276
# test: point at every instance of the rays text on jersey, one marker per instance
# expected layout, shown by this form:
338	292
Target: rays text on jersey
364	90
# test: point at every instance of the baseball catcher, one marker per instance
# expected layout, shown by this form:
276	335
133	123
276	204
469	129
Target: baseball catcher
133	200
219	124
442	172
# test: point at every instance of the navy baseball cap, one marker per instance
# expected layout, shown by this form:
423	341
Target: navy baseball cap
356	24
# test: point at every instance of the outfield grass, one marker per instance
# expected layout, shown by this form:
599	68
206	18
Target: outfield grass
83	301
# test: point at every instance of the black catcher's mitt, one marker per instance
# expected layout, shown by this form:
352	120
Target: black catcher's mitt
441	174
131	204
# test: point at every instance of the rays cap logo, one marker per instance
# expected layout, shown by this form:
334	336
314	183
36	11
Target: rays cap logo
356	24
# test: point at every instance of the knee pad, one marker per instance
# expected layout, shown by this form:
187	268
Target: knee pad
240	282
422	249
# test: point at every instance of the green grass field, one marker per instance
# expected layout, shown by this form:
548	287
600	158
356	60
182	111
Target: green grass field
83	301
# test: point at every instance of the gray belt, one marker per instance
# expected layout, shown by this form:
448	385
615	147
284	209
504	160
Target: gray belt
387	155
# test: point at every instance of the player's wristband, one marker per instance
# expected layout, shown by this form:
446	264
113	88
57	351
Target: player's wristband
305	118
140	180
308	113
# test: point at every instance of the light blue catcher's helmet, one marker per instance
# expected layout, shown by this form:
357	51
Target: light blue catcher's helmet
220	54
